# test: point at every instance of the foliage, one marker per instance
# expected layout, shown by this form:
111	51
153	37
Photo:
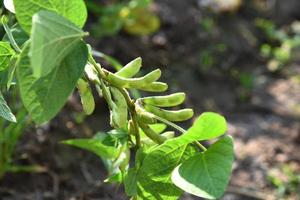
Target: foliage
133	16
279	44
286	180
55	60
10	134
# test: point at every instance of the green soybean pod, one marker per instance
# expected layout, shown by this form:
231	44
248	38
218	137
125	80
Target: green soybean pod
91	73
144	116
149	142
133	82
124	164
154	87
165	101
131	128
131	69
168	134
152	134
175	116
86	95
119	111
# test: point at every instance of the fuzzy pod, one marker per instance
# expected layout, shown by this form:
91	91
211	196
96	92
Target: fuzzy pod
131	69
171	115
133	82
165	101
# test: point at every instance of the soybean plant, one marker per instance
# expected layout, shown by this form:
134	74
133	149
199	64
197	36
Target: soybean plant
45	54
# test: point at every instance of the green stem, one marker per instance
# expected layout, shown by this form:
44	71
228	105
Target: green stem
10	36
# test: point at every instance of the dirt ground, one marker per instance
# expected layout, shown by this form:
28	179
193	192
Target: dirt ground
264	120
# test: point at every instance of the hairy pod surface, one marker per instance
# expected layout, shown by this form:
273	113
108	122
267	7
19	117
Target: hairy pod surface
133	82
154	87
119	111
171	115
131	69
165	101
86	96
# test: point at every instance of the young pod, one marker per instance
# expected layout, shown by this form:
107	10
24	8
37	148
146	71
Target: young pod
175	116
152	134
131	69
165	101
119	109
86	96
154	87
131	128
133	82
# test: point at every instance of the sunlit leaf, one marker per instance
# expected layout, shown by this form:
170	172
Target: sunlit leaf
95	145
6	52
5	111
44	97
73	10
53	37
207	174
207	126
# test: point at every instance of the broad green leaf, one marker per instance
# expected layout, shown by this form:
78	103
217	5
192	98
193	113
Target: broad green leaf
53	37
86	95
207	174
6	52
19	35
208	126
154	176
73	10
44	97
95	145
5	111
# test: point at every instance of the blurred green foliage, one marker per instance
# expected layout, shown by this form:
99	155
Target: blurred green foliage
286	180
279	43
135	17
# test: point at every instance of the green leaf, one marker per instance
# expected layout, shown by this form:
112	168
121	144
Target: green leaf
5	110
44	97
86	95
207	174
114	178
130	182
73	10
6	52
154	176
208	126
53	37
95	145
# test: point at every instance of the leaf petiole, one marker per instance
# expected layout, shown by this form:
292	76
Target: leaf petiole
10	35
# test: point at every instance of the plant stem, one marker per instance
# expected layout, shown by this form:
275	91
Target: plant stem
175	126
10	36
129	101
